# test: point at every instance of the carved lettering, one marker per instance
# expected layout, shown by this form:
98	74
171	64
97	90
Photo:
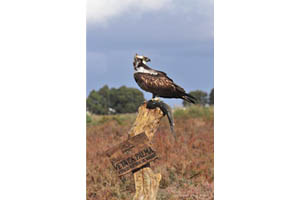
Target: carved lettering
131	154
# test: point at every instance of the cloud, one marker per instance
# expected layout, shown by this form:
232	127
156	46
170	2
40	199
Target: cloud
101	11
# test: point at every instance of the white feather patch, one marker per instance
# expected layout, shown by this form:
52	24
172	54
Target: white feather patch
146	71
140	57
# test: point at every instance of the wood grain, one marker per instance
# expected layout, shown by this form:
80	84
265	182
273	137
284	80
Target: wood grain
146	182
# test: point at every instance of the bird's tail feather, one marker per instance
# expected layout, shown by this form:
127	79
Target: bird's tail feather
189	98
184	95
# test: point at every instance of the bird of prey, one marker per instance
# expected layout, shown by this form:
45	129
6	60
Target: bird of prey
157	82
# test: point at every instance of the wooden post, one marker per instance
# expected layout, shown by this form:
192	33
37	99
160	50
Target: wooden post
146	182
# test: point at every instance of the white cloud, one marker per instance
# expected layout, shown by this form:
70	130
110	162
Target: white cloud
101	11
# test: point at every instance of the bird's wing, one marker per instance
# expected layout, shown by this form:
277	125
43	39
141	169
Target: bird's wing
160	73
159	84
158	81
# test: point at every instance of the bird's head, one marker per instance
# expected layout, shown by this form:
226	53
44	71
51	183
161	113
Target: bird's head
138	59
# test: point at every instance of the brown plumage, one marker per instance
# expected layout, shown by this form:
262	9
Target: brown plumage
157	82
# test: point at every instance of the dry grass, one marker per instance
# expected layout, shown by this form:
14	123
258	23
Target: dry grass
186	165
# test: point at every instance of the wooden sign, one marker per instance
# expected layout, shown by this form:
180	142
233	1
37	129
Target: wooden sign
131	154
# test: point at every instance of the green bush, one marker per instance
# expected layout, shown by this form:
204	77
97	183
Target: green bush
114	101
211	97
201	98
195	111
88	118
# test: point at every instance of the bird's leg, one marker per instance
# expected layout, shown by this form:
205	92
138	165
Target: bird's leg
154	98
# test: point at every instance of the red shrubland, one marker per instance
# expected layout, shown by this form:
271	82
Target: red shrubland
186	164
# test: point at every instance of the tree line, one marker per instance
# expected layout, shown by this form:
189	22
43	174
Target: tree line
202	98
127	100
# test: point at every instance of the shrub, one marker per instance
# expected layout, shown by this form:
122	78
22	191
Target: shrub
195	111
88	118
112	101
201	98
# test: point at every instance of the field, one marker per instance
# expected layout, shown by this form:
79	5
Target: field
186	164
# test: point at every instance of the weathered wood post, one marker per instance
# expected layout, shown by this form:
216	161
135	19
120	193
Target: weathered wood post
146	182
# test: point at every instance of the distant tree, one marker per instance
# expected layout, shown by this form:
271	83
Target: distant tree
200	96
125	100
105	93
96	103
121	100
211	97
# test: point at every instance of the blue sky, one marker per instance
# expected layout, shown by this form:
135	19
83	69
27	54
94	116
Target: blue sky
177	35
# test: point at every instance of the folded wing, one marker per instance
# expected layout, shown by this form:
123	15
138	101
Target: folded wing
161	85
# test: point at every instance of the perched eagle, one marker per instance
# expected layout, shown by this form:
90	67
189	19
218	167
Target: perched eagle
157	82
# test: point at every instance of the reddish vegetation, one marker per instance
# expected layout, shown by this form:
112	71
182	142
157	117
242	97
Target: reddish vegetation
186	165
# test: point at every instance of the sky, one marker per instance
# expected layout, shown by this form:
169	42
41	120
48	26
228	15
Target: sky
176	35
